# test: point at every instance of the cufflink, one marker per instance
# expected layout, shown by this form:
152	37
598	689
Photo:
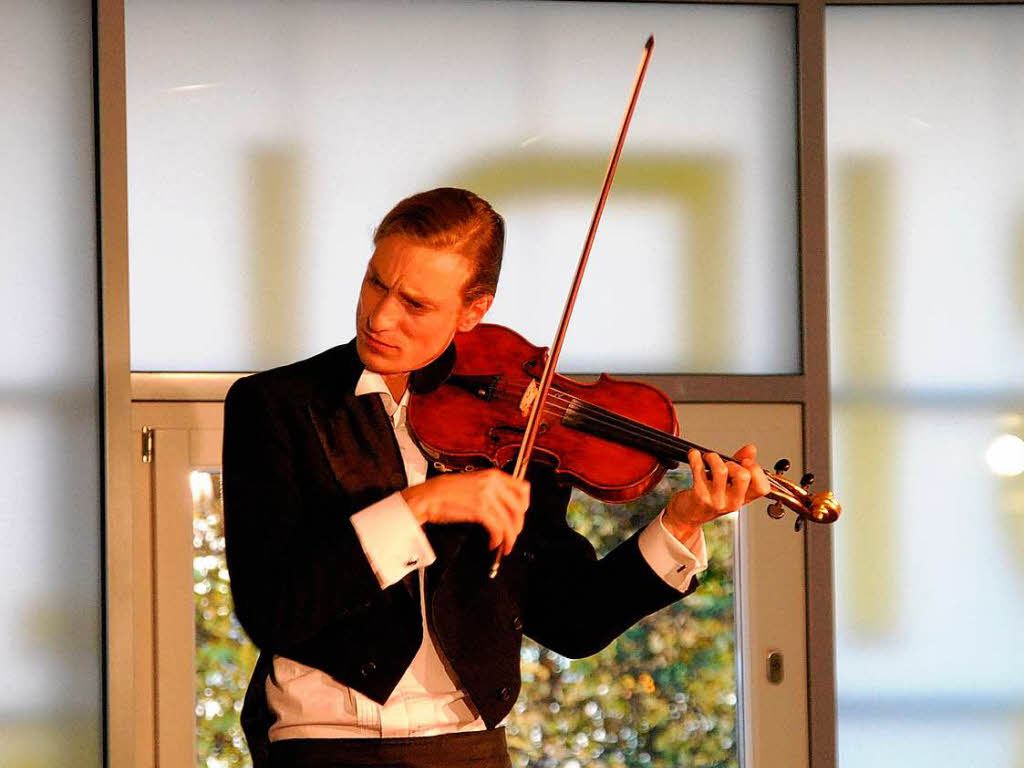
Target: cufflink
411	562
680	569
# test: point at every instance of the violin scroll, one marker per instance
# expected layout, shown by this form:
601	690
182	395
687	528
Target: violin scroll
821	507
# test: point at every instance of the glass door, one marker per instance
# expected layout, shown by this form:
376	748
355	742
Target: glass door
198	661
687	686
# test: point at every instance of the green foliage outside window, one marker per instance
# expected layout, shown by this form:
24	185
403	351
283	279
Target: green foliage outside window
224	655
662	695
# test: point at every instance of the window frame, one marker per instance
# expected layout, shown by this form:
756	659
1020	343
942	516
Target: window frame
809	389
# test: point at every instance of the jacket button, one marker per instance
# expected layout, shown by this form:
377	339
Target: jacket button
505	694
367	669
517	623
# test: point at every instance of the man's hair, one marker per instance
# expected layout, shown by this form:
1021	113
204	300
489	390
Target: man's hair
454	220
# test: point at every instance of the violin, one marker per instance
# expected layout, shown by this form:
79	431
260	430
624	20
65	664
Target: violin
613	439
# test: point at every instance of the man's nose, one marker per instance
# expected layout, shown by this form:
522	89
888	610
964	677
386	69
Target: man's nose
385	314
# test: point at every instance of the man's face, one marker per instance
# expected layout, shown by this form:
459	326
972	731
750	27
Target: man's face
410	305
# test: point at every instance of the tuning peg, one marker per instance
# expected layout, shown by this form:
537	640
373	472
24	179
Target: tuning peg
782	465
807	480
776	511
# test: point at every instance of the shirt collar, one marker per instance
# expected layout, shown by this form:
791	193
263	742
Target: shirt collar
371	382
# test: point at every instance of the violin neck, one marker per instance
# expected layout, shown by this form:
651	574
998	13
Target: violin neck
669	449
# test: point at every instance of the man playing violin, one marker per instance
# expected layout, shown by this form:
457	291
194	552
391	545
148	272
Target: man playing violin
360	571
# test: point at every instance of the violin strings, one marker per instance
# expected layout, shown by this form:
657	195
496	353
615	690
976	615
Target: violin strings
622	425
610	419
658	440
629	427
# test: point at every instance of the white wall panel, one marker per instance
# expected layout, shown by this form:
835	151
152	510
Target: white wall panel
50	569
926	196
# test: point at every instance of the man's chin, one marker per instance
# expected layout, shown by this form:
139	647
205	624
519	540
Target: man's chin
384	361
387	360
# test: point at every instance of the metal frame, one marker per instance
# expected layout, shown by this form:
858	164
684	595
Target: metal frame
821	677
810	388
120	691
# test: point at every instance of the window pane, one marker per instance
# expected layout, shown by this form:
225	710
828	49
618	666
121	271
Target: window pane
927	259
663	694
224	655
266	140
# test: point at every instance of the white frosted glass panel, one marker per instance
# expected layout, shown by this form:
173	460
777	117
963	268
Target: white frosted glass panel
50	699
927	104
926	196
266	140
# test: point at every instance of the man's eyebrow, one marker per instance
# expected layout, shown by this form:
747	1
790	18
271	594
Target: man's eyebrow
413	298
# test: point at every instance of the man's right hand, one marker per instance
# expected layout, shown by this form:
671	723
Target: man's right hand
490	497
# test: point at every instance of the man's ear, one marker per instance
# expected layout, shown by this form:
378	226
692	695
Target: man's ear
474	312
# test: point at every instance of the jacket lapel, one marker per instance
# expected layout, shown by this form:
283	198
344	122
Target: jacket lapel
359	442
355	433
360	446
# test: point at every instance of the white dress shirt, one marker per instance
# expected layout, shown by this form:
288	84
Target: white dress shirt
427	701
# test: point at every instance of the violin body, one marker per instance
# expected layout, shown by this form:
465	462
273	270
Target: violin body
477	417
613	439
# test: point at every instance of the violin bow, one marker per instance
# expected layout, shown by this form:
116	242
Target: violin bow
533	420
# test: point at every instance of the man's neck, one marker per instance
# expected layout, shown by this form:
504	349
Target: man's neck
397	383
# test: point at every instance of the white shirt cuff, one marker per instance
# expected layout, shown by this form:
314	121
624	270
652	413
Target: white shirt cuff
393	541
673	561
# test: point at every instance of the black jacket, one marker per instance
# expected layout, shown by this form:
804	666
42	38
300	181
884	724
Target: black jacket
301	454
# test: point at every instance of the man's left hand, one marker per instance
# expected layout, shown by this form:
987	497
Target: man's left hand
732	484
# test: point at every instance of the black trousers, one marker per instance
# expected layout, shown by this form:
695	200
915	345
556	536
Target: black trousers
472	749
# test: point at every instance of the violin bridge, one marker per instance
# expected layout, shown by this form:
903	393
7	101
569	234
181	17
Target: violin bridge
529	397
